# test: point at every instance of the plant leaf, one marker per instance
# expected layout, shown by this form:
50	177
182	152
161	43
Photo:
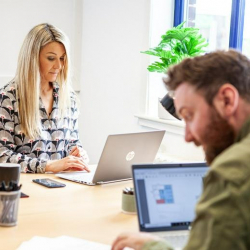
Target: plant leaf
176	44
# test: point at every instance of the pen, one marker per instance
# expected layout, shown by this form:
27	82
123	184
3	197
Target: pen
13	186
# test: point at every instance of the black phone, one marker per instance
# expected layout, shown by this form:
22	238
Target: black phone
49	183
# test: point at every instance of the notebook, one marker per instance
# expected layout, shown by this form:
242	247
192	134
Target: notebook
119	153
166	196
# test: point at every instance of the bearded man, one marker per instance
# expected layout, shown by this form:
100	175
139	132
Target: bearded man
212	96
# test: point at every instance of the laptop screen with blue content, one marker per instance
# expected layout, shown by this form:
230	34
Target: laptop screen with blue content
166	194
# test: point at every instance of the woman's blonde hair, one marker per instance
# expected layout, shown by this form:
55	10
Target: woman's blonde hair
28	78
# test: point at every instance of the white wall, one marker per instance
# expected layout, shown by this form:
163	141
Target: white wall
17	17
114	74
109	70
162	16
106	40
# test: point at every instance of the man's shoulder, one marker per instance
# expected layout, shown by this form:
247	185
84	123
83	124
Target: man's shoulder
233	164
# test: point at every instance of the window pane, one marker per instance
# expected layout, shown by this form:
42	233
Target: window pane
246	34
213	19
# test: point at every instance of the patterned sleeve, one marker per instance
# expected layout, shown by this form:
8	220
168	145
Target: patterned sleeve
74	140
8	146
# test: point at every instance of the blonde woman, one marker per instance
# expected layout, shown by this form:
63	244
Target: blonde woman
38	112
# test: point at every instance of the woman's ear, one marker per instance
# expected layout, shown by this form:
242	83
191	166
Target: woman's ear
226	100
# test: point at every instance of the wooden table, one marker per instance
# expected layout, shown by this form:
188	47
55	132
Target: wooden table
88	212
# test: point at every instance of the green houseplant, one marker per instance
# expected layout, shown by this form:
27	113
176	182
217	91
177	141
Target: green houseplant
176	44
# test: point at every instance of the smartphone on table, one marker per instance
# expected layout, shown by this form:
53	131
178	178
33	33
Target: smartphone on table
49	183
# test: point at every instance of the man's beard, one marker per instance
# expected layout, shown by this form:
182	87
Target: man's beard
218	136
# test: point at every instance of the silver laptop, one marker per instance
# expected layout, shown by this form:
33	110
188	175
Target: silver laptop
119	153
166	196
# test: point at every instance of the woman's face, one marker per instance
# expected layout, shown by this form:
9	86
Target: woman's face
51	59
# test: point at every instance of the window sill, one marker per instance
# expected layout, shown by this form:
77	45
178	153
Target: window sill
172	125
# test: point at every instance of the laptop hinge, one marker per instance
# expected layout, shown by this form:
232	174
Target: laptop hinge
106	182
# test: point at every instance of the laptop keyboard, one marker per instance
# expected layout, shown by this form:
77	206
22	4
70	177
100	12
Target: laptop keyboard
177	241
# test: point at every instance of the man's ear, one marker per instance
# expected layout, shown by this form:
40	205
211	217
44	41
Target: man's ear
226	100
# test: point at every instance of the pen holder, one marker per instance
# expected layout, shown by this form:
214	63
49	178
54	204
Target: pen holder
9	172
128	202
9	202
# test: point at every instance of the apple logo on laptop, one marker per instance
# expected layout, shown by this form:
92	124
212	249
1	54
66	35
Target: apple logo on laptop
130	156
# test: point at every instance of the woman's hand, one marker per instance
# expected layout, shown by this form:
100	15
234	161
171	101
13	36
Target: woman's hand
79	152
68	163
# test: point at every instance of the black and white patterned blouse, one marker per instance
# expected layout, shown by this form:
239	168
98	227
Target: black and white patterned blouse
57	138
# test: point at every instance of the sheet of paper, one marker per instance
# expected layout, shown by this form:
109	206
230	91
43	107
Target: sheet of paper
61	243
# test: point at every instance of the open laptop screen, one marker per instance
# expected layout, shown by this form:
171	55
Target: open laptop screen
166	194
